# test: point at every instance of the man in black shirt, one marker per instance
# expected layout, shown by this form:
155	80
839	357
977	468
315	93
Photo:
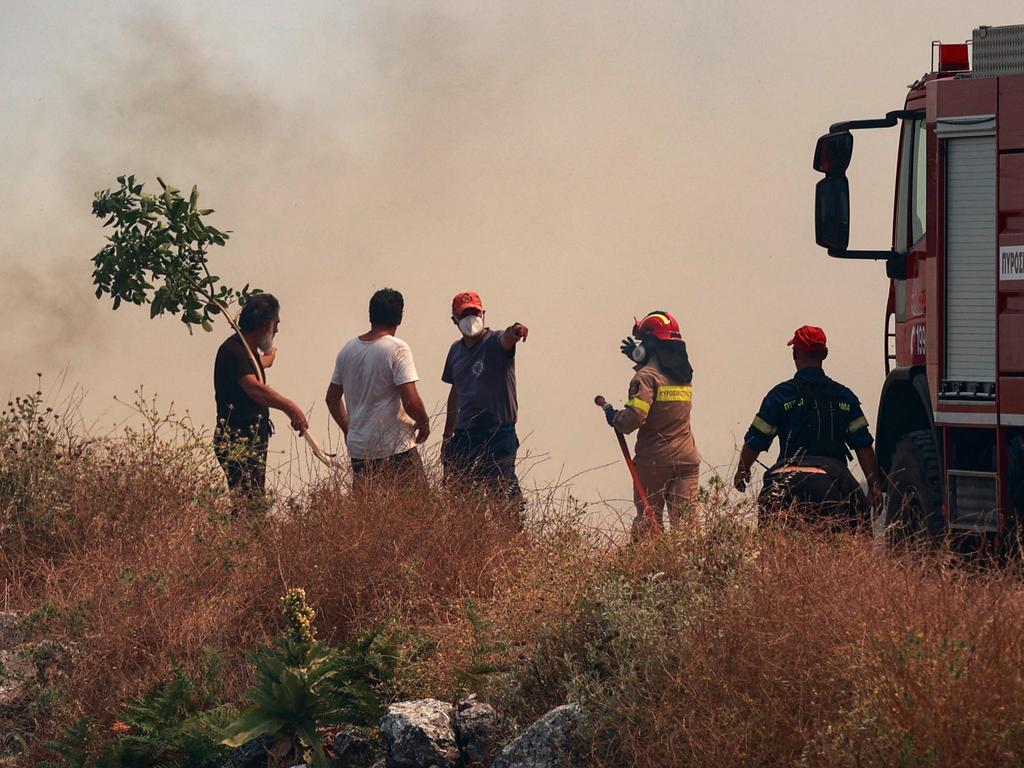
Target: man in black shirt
244	400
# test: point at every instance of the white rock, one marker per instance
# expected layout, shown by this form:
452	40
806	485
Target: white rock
418	734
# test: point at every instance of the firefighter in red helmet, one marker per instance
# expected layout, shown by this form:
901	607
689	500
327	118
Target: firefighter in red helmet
660	399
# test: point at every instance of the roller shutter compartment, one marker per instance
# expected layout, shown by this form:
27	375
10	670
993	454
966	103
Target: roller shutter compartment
971	259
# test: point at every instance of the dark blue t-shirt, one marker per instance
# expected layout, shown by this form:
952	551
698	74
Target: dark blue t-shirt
784	409
484	377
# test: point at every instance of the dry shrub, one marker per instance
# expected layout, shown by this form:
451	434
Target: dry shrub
731	647
144	563
778	648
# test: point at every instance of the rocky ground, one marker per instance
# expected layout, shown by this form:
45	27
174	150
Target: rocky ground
429	733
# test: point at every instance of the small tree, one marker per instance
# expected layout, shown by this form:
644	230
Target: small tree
157	254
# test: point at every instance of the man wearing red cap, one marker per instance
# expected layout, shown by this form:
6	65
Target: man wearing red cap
480	441
817	421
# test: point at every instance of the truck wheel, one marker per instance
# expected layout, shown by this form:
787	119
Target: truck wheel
913	505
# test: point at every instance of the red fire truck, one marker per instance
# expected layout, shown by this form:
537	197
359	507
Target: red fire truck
950	426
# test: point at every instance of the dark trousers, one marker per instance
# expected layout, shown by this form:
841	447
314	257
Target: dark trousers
487	457
813	490
406	467
242	453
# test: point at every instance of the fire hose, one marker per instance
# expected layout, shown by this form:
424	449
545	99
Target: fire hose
654	524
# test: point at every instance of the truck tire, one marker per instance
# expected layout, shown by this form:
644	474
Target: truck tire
913	506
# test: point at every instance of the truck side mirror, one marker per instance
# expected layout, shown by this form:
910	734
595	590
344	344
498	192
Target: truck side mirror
896	266
832	212
833	152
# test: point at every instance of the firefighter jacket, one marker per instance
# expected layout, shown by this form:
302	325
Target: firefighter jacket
812	415
660	410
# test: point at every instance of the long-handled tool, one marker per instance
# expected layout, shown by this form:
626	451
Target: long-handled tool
330	459
654	524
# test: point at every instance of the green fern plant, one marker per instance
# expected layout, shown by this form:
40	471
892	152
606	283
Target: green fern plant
366	670
177	724
484	661
71	749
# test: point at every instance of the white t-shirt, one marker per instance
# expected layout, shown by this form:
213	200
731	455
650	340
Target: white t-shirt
370	373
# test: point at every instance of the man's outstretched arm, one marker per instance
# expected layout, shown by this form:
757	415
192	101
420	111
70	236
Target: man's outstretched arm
513	335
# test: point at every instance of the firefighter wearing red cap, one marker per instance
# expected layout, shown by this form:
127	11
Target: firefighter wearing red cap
817	422
660	400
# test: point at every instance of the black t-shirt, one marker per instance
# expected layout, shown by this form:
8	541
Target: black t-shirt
233	405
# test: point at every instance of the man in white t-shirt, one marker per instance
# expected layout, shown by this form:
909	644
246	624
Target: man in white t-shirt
373	397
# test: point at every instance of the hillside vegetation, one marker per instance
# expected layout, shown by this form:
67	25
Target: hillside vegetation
731	647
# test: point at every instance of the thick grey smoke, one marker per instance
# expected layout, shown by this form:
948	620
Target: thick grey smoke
576	163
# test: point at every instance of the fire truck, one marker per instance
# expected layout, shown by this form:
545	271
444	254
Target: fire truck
950	428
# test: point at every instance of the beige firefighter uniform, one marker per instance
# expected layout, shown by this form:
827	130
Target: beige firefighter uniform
667	460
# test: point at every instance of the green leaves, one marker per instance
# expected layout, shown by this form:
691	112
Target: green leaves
175	724
290	700
157	253
303	685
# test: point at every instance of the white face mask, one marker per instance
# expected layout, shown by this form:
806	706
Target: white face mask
471	326
266	343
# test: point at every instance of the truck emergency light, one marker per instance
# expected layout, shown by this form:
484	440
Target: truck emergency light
954	58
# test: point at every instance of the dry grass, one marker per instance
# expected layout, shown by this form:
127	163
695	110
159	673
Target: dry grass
735	647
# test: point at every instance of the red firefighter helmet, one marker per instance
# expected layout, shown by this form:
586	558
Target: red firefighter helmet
660	325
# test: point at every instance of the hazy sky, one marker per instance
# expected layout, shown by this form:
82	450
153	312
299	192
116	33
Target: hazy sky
575	163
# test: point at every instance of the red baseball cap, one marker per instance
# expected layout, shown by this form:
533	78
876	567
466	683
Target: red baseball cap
809	338
466	300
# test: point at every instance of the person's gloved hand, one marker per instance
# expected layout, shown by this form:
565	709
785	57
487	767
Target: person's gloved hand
609	413
627	347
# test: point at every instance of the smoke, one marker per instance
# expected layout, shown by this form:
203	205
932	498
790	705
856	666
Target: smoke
45	305
578	164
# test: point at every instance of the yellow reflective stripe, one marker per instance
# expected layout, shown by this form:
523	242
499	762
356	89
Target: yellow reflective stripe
859	423
674	394
639	404
763	426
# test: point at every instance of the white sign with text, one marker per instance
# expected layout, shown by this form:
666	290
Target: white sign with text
1011	262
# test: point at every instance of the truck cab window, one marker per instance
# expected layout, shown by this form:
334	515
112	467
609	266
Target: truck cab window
919	182
911	195
903	186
